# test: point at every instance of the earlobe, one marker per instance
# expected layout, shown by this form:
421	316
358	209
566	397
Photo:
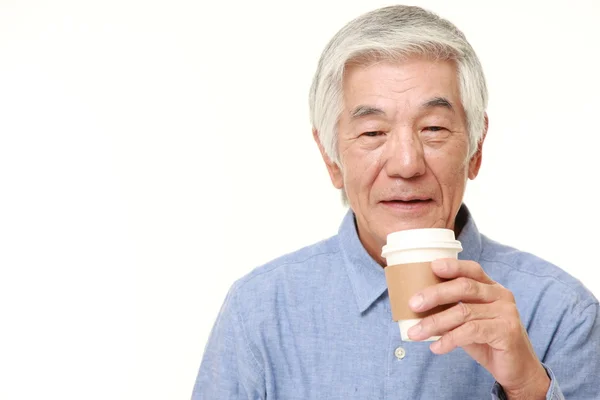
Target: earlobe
335	173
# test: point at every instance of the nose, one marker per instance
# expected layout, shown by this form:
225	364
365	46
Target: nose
404	156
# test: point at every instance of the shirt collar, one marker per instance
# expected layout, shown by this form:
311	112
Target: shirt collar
367	277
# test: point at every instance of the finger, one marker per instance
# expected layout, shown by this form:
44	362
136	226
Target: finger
450	268
460	289
483	331
447	320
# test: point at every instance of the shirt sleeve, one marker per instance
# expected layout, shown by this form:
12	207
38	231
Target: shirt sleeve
573	359
553	393
228	369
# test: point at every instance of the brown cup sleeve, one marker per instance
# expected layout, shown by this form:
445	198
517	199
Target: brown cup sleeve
403	282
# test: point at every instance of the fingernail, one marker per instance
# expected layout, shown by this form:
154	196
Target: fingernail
416	301
435	345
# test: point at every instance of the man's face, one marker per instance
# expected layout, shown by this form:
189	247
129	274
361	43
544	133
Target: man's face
403	146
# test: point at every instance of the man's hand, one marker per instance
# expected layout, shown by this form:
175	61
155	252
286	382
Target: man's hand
485	323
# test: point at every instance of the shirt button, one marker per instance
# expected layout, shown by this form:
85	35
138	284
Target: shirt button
400	353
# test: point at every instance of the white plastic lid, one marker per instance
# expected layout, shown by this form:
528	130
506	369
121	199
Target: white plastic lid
428	238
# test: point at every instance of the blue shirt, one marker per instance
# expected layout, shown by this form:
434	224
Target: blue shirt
316	324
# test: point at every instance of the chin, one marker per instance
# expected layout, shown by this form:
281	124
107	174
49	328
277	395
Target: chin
408	225
417	223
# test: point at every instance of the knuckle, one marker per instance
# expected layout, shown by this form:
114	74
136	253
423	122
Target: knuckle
505	293
514	326
510	296
511	323
467	286
465	311
473	265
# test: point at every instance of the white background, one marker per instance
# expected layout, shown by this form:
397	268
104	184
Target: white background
152	152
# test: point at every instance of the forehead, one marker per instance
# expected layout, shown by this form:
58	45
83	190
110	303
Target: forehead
400	84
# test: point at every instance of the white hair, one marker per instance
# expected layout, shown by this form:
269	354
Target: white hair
394	33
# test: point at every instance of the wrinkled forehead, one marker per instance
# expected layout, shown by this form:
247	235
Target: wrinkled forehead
382	86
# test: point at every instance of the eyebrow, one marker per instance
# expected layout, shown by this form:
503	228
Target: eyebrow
438	102
362	111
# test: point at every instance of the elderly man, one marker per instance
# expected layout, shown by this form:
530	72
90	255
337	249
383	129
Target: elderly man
398	111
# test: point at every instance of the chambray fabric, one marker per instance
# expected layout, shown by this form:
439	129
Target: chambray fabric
316	324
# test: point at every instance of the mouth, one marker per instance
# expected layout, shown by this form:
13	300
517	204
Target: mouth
408	204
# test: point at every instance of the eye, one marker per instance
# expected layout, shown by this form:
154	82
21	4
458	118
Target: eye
434	128
372	133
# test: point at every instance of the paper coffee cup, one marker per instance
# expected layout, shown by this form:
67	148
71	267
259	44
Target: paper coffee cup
408	257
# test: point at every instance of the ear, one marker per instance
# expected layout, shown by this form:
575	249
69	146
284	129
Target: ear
475	162
335	173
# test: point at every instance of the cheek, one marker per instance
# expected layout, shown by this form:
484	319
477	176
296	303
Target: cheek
453	176
451	170
452	182
361	169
